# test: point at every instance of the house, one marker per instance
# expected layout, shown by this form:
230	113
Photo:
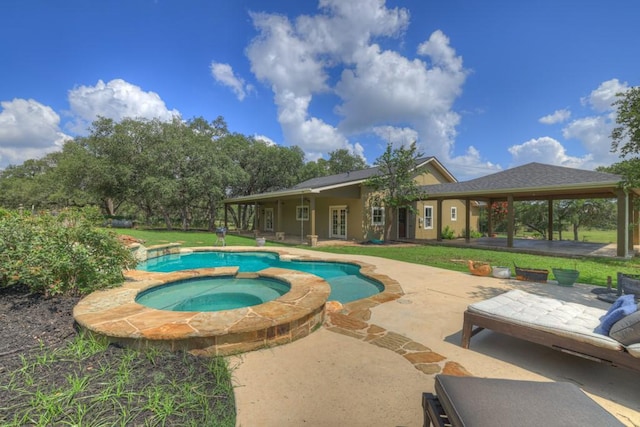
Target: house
342	207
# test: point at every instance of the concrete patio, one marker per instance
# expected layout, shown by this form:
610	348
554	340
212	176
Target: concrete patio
370	367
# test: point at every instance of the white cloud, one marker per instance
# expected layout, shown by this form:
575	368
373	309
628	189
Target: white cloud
376	88
547	150
28	130
397	136
558	116
594	134
600	99
223	74
264	139
470	165
116	100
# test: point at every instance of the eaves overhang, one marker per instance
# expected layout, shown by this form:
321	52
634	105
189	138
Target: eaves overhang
272	195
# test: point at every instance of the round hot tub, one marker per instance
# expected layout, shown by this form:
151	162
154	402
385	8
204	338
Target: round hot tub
213	293
219	316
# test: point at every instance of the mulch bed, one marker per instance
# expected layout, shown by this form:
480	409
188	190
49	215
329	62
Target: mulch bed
31	324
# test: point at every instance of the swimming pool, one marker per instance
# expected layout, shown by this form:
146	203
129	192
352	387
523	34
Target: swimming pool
116	315
346	281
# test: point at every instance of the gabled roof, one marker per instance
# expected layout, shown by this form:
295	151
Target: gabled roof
530	180
323	183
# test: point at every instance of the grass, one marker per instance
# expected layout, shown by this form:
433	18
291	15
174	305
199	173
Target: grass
186	238
593	271
89	383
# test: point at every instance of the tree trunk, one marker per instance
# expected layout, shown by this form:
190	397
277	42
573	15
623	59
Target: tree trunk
575	231
211	213
108	206
167	219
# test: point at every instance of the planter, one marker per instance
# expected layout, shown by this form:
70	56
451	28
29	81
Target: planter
565	276
479	268
532	274
260	241
501	272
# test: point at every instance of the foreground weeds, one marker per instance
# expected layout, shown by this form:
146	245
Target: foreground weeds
90	383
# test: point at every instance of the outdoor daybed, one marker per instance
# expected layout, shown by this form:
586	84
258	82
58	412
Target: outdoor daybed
564	326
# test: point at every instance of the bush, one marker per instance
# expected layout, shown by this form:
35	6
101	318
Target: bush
63	253
448	233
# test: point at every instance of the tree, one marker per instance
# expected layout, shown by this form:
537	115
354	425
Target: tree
342	161
626	135
395	181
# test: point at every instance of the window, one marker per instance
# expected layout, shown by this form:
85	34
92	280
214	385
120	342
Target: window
302	213
454	213
428	217
377	215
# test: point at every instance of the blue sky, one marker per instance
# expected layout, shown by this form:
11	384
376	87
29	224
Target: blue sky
483	86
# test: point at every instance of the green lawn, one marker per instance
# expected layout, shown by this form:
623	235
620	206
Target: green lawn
186	238
592	270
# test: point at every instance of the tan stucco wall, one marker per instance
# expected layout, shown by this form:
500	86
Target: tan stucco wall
357	200
458	226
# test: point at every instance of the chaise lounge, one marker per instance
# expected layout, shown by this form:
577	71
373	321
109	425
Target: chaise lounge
563	326
484	402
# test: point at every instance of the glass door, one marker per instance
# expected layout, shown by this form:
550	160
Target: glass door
268	219
338	216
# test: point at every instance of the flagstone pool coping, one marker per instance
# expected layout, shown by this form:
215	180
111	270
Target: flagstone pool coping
115	314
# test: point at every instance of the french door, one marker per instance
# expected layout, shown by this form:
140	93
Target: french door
268	219
338	225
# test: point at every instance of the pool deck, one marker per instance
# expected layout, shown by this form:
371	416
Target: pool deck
370	364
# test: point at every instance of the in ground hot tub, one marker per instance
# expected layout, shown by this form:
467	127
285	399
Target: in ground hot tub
117	315
213	293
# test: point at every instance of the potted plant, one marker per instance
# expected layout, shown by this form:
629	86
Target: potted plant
565	276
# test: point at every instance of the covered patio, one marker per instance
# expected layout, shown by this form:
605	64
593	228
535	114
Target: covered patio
537	181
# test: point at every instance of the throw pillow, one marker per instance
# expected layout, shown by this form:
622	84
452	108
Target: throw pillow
623	306
627	330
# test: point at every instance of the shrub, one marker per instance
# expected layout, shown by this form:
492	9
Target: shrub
63	253
448	233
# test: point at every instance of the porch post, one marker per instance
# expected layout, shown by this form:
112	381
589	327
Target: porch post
550	219
467	219
631	224
623	224
490	218
439	220
279	212
510	220
256	223
312	209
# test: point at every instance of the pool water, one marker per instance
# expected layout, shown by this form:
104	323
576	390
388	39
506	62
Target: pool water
347	284
212	293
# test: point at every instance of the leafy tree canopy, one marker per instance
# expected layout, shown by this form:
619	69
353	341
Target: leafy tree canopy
395	181
626	135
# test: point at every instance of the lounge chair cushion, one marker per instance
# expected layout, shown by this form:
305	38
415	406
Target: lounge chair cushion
627	329
566	319
483	402
634	350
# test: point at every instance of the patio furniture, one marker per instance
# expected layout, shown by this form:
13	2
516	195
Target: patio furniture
561	325
221	233
628	284
481	402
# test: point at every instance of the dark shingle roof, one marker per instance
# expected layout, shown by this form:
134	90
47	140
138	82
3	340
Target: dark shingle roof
344	178
527	177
